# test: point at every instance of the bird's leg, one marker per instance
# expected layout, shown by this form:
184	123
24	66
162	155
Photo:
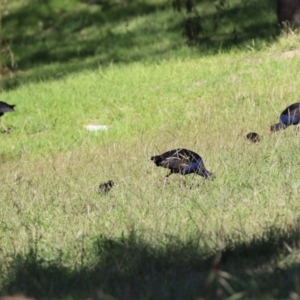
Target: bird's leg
298	129
166	179
181	181
4	127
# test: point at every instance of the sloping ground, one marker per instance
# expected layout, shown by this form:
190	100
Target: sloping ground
55	38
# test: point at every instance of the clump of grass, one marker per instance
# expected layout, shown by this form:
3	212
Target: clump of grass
289	40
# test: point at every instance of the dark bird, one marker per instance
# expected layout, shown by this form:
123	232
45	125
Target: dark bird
253	137
106	187
290	116
182	161
4	108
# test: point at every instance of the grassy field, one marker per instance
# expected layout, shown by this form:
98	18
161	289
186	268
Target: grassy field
236	237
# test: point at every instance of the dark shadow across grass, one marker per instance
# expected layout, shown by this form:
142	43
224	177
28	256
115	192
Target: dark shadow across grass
130	268
78	37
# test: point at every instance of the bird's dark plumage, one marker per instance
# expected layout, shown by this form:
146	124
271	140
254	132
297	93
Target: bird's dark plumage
253	137
4	108
290	116
106	187
182	161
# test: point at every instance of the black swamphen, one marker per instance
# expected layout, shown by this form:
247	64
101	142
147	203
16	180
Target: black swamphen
182	161
105	187
4	108
253	137
290	116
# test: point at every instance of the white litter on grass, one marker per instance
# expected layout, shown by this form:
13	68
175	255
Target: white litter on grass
96	127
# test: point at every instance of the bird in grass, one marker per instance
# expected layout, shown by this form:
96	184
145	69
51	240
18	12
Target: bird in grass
4	108
290	116
105	187
253	137
182	161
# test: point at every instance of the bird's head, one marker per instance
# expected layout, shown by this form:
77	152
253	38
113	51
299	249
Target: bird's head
205	173
277	127
210	175
110	183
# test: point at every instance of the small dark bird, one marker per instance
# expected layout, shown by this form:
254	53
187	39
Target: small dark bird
4	108
182	161
253	137
290	116
105	187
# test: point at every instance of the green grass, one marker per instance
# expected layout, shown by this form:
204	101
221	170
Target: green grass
236	237
51	167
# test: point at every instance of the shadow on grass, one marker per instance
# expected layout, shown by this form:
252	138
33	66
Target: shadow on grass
130	268
50	40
